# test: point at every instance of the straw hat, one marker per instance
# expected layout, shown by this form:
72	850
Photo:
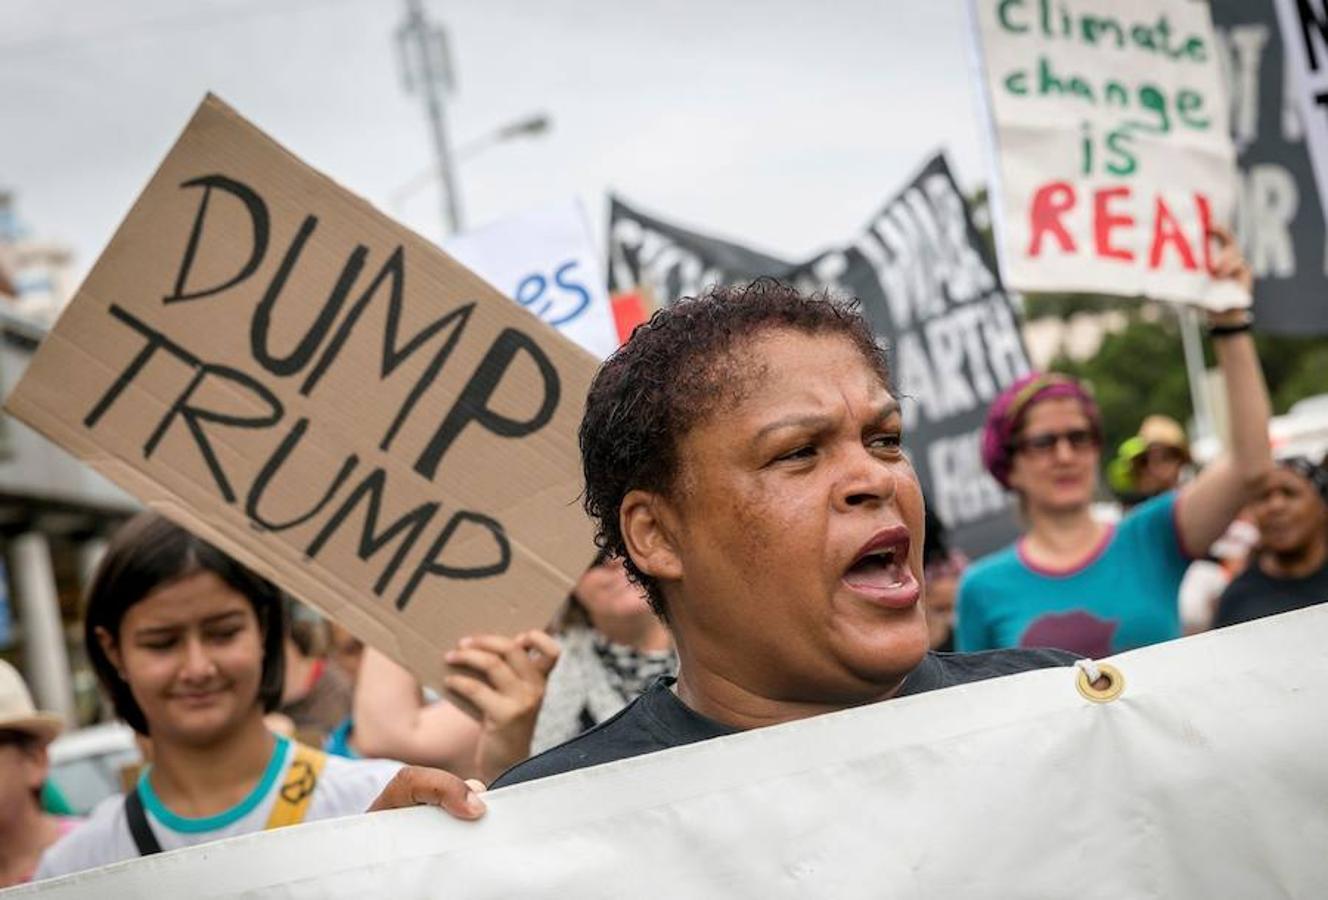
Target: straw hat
1164	431
17	712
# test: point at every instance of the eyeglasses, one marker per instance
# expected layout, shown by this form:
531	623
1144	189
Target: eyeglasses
1045	444
15	737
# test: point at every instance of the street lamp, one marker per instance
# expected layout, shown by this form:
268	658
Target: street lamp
530	126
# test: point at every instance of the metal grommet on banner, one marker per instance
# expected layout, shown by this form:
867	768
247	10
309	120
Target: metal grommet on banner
1091	675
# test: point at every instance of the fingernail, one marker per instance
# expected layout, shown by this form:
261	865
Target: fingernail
473	803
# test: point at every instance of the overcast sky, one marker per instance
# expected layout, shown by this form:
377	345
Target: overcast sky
779	123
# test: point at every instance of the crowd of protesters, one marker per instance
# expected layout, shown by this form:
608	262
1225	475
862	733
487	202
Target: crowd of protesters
765	557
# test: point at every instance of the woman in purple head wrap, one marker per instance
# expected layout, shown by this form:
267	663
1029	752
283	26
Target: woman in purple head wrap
1074	582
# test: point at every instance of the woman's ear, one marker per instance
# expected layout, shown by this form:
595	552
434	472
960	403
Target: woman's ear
648	529
38	766
111	649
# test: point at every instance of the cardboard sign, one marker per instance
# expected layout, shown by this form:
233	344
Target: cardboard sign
1305	37
280	368
1279	211
1112	154
1199	780
545	260
931	293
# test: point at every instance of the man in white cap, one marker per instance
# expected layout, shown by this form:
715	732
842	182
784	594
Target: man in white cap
25	830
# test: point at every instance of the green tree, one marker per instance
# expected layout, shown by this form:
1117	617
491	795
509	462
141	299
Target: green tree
1295	367
1137	371
1141	370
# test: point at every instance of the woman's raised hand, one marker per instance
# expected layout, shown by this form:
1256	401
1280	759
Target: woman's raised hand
507	687
1229	263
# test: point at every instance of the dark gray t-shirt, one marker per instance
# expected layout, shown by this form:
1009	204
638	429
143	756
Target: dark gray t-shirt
658	720
1253	595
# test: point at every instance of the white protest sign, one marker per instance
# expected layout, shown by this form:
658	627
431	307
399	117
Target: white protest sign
1205	778
545	260
1305	37
1112	155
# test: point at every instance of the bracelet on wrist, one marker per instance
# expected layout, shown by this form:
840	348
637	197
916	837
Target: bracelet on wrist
1226	329
1221	331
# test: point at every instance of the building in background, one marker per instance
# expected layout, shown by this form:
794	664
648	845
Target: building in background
1077	337
36	275
55	513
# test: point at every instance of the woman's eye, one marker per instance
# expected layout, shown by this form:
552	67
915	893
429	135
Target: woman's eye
224	635
805	452
891	441
158	646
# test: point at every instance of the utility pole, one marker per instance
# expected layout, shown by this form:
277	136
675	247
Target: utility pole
426	67
1196	371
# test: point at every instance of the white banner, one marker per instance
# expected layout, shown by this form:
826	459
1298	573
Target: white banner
545	260
1205	778
1112	155
1305	36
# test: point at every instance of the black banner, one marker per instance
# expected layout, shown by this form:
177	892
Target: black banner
933	296
1279	217
673	262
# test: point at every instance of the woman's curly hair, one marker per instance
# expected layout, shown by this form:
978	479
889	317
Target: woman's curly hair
675	370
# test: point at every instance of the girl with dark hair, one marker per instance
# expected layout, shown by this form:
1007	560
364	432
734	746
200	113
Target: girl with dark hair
188	644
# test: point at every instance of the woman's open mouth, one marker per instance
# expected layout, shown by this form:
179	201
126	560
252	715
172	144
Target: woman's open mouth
880	572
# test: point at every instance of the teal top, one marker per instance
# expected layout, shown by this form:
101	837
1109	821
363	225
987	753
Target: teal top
54	801
189	825
1123	596
338	741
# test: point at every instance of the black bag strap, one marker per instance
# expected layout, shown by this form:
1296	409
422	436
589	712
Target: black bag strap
139	828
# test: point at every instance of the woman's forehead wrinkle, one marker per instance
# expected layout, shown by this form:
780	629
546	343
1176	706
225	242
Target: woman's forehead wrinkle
872	399
813	402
